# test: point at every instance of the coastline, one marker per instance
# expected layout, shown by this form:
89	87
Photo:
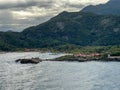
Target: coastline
83	54
72	58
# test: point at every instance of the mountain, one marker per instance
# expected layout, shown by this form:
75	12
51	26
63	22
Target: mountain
76	28
111	7
67	28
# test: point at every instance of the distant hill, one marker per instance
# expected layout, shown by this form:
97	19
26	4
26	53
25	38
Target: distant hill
11	40
111	7
67	28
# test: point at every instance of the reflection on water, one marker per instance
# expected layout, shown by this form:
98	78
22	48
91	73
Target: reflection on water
57	75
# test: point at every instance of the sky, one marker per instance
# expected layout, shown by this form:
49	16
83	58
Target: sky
17	15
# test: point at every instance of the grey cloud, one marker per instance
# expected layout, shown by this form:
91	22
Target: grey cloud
79	6
8	22
6	17
26	4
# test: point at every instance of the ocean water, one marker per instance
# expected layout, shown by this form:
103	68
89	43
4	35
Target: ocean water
56	75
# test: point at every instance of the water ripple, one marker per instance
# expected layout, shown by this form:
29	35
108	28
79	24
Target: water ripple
56	75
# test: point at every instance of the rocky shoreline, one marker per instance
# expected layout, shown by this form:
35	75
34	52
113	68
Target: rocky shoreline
72	58
67	58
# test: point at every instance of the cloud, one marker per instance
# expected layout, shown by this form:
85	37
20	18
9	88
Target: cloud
11	4
19	14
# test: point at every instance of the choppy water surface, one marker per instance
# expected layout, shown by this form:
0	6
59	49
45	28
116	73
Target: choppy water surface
57	75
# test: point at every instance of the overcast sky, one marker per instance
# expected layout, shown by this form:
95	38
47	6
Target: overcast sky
19	14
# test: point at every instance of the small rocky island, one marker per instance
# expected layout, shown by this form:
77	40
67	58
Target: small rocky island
27	61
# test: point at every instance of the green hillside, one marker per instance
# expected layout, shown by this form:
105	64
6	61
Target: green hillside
67	28
77	28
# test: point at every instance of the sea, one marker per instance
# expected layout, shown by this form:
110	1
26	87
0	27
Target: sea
55	75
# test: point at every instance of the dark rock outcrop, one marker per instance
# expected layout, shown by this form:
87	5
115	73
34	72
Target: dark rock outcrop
27	61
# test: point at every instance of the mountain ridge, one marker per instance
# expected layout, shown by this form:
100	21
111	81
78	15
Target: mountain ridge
111	7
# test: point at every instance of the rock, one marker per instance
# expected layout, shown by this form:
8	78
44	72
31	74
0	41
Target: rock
27	61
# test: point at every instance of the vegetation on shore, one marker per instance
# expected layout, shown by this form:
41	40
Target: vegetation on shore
113	50
102	51
72	58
